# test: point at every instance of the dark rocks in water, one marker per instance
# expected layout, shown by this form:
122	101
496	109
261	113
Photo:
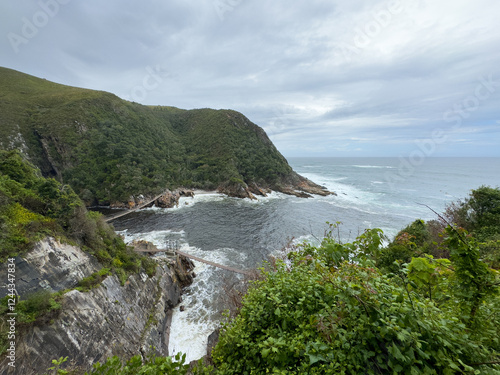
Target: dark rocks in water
293	184
296	183
186	192
168	200
237	189
257	190
183	270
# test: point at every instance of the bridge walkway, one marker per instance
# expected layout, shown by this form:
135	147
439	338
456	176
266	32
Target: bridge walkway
197	259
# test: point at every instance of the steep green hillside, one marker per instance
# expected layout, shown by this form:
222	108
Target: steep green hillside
33	207
108	149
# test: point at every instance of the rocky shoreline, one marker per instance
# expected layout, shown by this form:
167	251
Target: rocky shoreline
295	185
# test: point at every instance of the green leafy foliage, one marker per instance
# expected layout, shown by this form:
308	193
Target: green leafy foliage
478	214
56	369
430	276
474	281
152	365
330	311
93	280
33	207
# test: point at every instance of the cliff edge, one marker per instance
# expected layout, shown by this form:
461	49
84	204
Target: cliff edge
110	319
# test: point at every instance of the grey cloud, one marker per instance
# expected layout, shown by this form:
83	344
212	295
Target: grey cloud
283	65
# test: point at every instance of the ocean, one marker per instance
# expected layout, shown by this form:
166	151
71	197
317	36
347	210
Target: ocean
385	193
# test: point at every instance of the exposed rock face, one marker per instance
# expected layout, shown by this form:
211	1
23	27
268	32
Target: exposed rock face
141	245
183	270
186	193
109	320
168	200
257	190
236	189
300	186
52	266
213	339
293	184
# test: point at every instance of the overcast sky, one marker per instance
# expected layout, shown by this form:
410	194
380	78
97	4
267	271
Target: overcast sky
322	77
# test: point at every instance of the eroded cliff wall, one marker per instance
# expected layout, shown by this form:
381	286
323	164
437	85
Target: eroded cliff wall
110	319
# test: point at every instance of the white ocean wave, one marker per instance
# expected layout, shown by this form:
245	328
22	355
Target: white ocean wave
187	202
157	237
374	166
190	328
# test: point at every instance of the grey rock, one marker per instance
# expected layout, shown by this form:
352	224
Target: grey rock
50	265
109	320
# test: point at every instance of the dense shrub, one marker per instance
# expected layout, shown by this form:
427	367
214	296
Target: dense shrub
314	318
478	214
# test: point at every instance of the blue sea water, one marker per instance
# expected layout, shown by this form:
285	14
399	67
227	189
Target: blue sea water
386	193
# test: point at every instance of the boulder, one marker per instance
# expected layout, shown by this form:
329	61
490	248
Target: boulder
256	189
186	193
168	200
144	246
237	189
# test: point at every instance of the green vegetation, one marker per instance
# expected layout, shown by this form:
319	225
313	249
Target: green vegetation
328	310
94	280
152	365
108	149
478	215
33	207
37	308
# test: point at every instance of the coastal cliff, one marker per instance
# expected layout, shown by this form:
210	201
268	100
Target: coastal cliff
110	319
111	151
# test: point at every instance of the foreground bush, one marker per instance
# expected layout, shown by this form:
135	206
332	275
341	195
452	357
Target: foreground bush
322	313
